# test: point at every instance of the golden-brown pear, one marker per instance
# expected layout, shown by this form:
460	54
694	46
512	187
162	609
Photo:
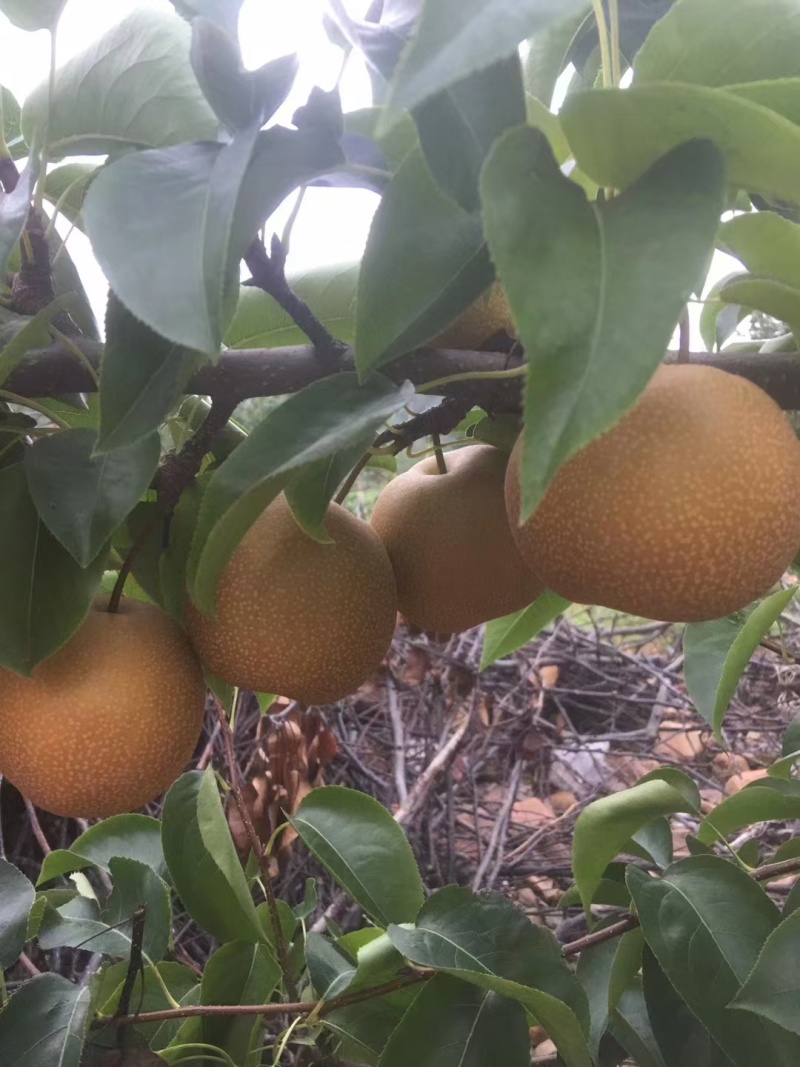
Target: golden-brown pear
297	617
486	316
108	721
451	548
686	510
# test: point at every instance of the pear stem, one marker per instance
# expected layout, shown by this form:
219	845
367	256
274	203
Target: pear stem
437	451
127	564
352	478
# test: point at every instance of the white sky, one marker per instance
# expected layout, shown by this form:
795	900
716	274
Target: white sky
333	223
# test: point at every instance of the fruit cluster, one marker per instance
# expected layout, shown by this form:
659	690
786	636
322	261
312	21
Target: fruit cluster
687	509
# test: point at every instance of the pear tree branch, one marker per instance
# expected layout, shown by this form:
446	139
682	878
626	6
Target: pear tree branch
243	373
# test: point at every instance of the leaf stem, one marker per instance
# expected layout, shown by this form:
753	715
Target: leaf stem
26	402
38	196
474	376
616	54
605	47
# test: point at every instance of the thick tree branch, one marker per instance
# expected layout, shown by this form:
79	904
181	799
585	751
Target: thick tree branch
243	373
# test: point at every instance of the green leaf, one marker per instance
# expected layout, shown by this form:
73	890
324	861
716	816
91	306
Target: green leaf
706	921
79	924
422	236
136	837
43	1024
773	986
631	1027
66	187
237	973
454	1024
504	636
330	968
14	207
718	319
760	801
775	298
16	900
33	14
83	498
148	995
286	917
365	850
44	594
35	333
653	842
239	97
488	942
605	971
457	37
364	1029
312	491
319	421
203	862
170	226
766	243
135	886
133	87
378	962
616	134
791	738
143	376
592	351
681	1036
605	826
329	291
458	126
782	96
700	42
547	55
717	653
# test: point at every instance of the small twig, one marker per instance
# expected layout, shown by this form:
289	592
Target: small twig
630	922
426	781
321	1008
440	420
268	273
776	870
258	848
500	827
36	826
772	646
179	471
29	965
398	741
